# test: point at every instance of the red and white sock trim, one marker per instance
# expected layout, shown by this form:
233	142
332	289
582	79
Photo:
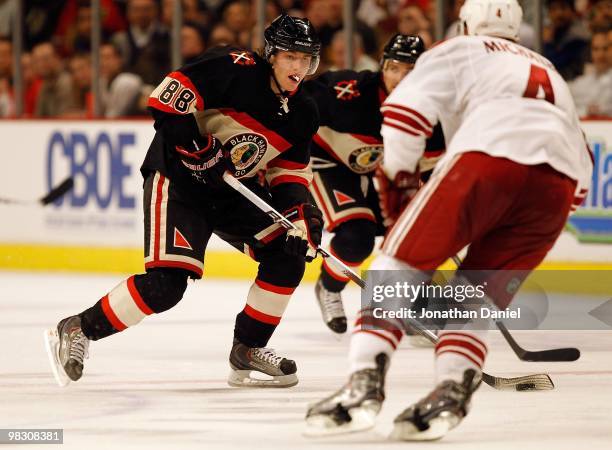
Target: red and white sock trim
382	328
463	344
267	302
123	306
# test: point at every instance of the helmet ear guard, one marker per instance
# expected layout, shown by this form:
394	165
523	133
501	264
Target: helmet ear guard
288	33
498	18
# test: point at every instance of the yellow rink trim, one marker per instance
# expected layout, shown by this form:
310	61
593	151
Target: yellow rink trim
218	264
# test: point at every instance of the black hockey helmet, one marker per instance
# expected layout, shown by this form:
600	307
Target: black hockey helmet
404	47
290	33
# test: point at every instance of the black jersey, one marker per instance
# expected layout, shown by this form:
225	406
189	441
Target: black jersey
228	91
350	120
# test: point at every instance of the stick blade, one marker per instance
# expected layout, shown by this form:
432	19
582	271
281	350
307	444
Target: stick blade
552	355
58	191
536	382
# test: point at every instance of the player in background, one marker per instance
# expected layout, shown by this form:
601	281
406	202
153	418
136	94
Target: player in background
345	153
229	110
516	165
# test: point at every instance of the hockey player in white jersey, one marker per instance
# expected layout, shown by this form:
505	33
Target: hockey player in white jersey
516	165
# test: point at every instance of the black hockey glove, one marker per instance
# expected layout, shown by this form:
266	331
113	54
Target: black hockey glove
304	240
204	159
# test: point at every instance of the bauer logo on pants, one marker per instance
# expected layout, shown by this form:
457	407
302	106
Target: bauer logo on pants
246	150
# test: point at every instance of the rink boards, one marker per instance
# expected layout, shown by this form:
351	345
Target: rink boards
98	226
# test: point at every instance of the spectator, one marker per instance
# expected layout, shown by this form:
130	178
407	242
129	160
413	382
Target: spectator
411	20
192	42
337	53
6	58
32	84
566	40
55	94
6	75
7	10
221	35
236	16
120	91
527	35
73	31
194	11
600	15
593	91
80	69
145	46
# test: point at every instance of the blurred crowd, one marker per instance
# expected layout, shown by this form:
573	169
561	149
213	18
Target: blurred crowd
135	53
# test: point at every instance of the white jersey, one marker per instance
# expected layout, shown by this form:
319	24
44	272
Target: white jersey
490	95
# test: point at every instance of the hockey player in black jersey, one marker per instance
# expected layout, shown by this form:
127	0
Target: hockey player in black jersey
345	152
229	110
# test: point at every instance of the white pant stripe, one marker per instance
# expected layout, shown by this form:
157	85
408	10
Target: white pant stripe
411	213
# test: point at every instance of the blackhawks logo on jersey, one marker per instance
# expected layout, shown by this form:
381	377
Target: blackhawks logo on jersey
346	90
246	150
365	159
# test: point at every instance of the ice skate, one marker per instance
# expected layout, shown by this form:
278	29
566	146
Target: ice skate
352	408
67	346
332	310
260	367
438	413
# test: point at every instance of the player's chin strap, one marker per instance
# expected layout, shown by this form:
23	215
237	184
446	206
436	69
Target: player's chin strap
284	95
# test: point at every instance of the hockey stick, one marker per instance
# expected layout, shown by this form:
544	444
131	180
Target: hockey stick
536	382
55	193
286	223
551	355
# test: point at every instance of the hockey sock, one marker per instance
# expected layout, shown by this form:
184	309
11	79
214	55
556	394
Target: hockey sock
371	337
132	300
466	348
120	308
265	306
458	351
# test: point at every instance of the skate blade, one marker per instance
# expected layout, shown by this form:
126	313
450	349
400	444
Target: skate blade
255	379
438	427
320	425
52	344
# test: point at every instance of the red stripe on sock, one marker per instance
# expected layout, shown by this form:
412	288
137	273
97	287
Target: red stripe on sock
272	288
379	323
261	317
110	315
456	352
444	334
378	334
457	343
137	298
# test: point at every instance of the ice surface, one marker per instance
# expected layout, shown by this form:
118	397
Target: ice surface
162	384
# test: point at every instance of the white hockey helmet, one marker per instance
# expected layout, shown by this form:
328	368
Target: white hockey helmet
499	18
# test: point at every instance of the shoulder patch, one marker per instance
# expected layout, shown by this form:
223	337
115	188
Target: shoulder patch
242	58
346	90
